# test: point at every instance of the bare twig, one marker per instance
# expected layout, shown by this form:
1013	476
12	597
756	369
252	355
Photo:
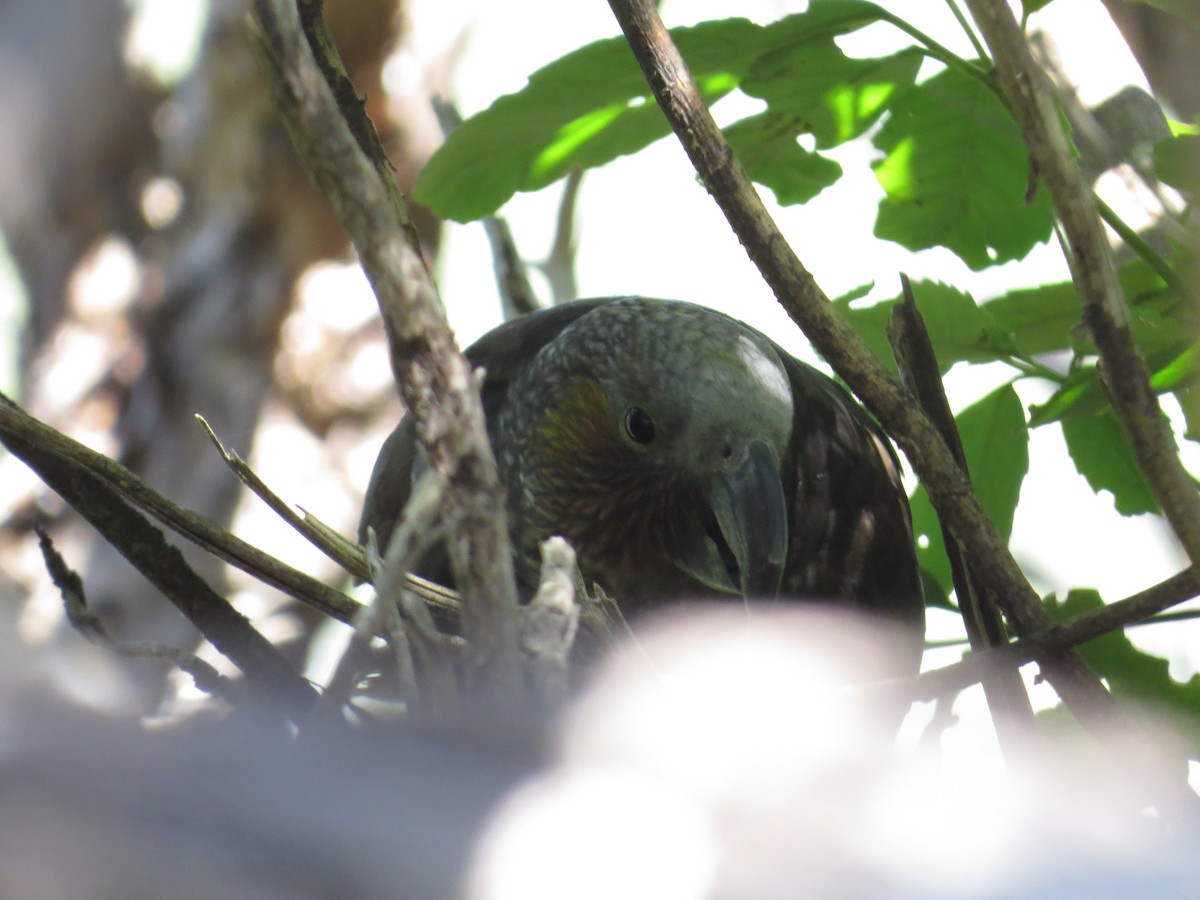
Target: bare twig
338	146
809	307
345	553
1132	610
559	266
199	530
87	623
268	674
424	663
1031	100
420	528
512	278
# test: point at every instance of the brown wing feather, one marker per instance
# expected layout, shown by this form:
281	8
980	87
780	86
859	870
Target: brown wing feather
850	526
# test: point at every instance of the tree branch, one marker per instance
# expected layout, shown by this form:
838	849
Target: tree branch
1030	99
338	146
267	673
206	534
1111	617
88	624
347	554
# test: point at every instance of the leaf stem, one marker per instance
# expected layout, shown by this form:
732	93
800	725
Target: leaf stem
1034	369
1139	245
961	18
939	51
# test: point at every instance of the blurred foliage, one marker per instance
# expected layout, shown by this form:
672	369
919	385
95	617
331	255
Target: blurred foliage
1132	673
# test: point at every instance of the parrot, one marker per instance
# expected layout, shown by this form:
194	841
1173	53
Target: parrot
684	455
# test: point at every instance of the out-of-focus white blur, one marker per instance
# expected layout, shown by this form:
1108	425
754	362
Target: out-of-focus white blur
732	757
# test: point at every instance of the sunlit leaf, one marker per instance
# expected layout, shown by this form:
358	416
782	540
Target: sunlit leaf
593	105
1181	371
812	88
816	89
1081	394
772	157
956	175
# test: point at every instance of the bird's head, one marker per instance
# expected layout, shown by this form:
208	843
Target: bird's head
650	435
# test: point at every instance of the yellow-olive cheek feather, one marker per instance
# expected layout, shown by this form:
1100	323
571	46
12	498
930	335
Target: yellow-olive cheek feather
585	479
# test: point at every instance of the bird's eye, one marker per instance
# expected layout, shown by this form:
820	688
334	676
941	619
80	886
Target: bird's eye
638	425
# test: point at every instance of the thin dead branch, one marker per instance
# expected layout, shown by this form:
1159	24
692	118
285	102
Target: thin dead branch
345	553
268	674
559	266
339	147
88	624
435	656
203	532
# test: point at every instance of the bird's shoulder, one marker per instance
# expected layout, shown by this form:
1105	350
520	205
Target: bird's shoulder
505	351
825	410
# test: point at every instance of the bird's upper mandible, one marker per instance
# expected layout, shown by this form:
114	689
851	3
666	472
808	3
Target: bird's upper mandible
683	454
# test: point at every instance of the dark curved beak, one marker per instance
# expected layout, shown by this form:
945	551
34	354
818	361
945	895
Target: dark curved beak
750	516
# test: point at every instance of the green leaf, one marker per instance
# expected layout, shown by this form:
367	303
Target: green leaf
1029	7
1041	319
1049	318
956	175
1189	402
960	330
935	593
1132	673
1181	371
1101	454
767	148
815	88
593	105
855	293
812	88
1081	394
996	444
1177	162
